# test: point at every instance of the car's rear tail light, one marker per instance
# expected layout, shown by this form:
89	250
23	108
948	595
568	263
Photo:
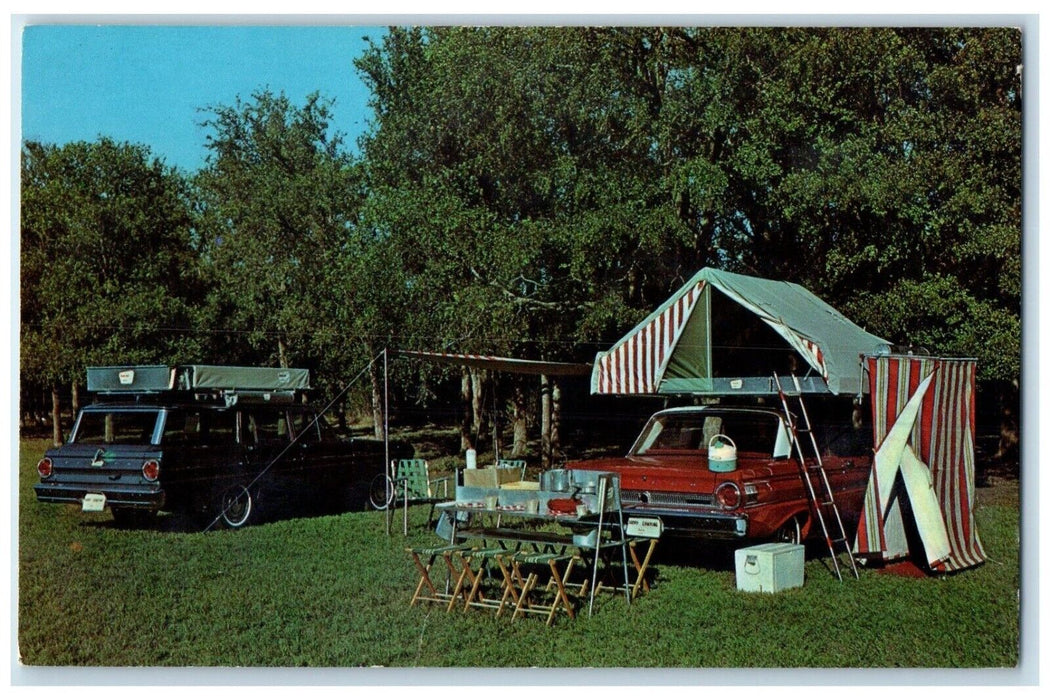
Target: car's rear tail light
728	495
45	468
151	470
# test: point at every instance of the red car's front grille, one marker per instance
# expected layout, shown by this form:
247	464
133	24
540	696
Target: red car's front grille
663	498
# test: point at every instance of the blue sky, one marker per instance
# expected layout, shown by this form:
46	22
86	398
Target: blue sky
147	84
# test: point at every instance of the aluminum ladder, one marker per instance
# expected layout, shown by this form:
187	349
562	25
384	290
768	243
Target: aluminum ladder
822	503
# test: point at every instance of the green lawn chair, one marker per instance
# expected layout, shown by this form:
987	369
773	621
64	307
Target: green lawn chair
518	464
413	485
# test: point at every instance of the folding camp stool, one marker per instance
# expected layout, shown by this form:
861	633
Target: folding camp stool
640	573
640	568
474	564
432	553
525	603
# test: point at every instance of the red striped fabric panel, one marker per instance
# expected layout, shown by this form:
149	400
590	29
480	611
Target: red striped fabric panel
943	437
636	364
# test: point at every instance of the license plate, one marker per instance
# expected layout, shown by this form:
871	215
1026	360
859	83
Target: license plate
644	527
93	502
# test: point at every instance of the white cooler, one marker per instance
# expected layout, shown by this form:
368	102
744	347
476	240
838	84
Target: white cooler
768	568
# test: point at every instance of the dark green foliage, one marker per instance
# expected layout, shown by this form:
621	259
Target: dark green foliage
279	196
108	271
560	182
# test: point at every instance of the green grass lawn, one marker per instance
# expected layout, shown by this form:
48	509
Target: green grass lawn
333	591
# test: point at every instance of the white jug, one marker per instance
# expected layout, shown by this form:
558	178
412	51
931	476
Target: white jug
721	453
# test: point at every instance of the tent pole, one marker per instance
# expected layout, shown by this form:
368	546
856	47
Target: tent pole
386	431
495	420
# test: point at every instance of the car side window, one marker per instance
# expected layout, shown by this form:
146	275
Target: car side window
200	428
266	427
306	429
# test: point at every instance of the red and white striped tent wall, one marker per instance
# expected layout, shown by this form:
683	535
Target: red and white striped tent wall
637	363
942	437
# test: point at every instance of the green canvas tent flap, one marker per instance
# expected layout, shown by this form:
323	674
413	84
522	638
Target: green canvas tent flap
724	333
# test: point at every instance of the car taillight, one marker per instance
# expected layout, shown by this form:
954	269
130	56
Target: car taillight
728	495
151	470
45	468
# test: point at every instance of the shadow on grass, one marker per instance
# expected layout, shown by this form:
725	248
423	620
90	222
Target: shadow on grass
180	522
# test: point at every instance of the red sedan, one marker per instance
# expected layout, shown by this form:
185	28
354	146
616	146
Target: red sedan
729	474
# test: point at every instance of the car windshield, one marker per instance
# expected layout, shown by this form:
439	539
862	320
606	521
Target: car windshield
674	433
117	426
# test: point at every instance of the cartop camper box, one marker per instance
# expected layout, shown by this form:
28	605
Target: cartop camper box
269	384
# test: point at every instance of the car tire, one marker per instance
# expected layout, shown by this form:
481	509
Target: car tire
356	497
381	492
790	532
237	506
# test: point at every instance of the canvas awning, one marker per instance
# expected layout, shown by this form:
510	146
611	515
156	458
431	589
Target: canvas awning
703	340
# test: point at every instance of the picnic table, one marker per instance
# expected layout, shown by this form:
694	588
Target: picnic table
531	527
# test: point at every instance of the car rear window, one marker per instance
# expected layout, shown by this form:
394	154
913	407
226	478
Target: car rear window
116	427
678	432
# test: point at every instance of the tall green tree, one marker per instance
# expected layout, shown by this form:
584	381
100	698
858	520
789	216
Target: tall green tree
297	278
277	195
109	273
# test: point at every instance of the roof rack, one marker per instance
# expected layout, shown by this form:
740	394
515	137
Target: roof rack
262	384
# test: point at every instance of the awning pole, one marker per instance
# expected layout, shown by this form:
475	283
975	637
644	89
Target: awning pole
386	434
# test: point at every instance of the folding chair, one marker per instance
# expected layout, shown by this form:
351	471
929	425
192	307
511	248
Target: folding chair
518	464
413	485
640	567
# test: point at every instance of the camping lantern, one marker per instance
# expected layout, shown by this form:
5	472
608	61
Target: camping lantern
721	454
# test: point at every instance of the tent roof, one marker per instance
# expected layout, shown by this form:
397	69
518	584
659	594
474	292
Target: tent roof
670	351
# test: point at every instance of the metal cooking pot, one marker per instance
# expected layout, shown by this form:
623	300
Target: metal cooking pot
586	482
555	480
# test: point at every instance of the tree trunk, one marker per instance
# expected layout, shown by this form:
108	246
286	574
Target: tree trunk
545	422
56	415
75	402
1009	433
282	353
477	381
377	401
465	440
555	421
521	421
341	418
494	416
